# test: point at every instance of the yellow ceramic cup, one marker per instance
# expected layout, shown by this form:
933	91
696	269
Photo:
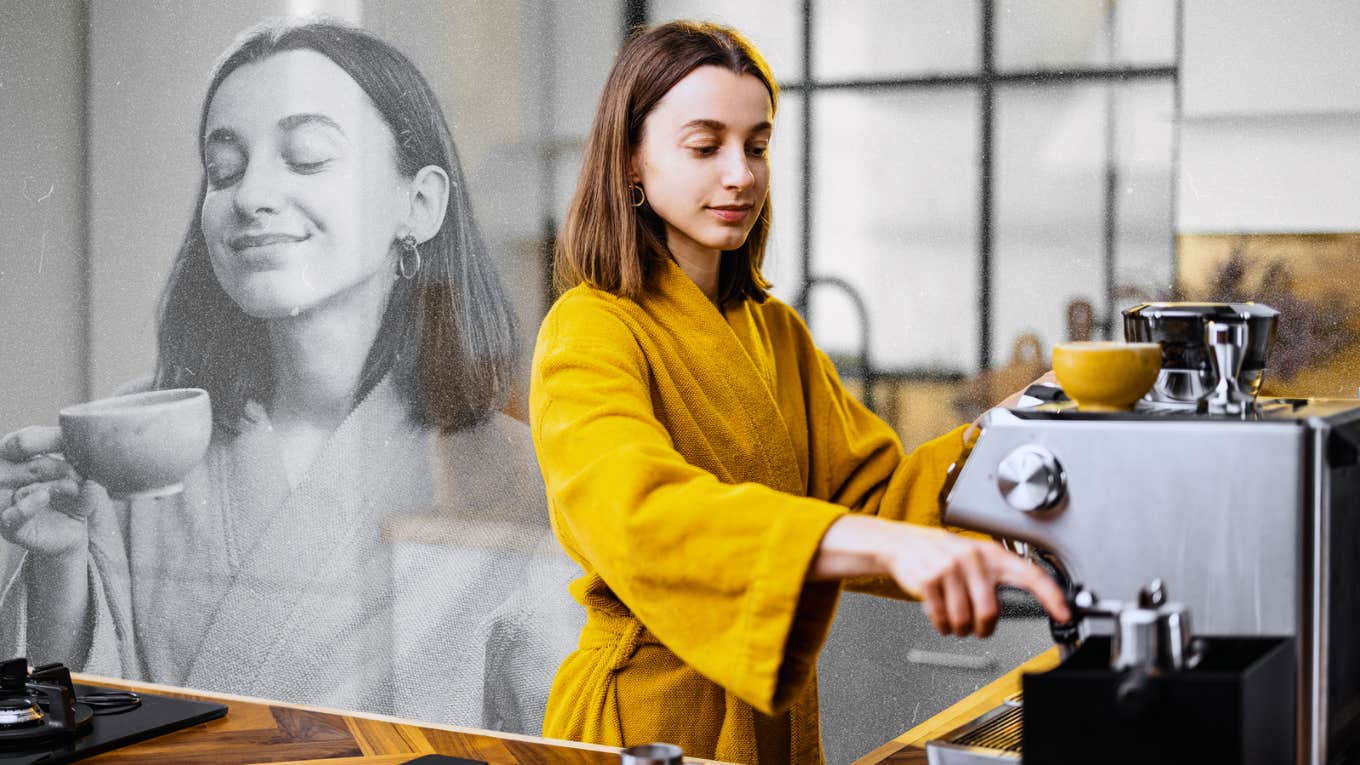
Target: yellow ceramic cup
1105	376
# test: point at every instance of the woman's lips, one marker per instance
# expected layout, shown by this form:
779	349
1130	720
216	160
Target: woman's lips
263	251
731	213
249	241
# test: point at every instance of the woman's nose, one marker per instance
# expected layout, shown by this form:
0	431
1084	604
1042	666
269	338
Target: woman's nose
260	190
737	173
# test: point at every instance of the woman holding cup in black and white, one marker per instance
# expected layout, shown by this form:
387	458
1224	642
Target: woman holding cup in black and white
366	530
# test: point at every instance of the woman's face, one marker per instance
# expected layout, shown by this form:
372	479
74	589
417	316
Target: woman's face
702	159
304	199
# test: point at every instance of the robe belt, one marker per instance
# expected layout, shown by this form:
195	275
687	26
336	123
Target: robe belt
618	634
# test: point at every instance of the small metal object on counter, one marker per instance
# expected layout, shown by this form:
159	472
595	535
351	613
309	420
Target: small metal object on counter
1188	373
951	660
1227	345
652	754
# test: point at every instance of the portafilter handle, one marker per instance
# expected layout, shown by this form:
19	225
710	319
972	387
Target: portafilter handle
1150	635
1227	344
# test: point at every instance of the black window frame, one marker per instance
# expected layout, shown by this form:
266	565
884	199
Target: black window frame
985	81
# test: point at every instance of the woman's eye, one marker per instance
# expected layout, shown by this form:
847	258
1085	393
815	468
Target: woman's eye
704	151
223	163
309	149
309	167
758	151
222	174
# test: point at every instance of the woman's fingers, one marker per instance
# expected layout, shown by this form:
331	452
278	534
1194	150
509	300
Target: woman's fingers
961	599
34	497
957	606
26	504
956	579
22	445
47	518
1011	569
933	603
46	468
982	592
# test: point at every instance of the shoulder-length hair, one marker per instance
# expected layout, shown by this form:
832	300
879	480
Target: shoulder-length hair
605	241
447	337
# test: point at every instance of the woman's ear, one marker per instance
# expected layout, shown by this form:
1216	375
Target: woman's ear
429	202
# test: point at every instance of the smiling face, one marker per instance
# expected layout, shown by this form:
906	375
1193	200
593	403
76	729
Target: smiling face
702	161
304	198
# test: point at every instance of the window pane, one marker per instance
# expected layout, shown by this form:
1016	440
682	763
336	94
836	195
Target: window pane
881	38
1047	34
895	216
1145	127
775	26
1145	32
784	250
1049	212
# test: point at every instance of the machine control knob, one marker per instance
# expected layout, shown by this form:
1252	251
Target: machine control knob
1030	478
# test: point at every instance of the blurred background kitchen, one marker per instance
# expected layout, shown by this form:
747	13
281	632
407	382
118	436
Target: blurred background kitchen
959	184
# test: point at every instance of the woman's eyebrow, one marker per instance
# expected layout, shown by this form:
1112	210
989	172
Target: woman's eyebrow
719	127
294	121
713	125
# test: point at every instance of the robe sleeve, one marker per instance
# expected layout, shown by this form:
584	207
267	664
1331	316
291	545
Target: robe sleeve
715	571
856	459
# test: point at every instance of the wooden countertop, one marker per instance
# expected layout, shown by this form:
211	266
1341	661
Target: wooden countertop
910	747
259	731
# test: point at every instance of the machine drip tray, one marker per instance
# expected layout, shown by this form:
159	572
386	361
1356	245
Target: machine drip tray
991	738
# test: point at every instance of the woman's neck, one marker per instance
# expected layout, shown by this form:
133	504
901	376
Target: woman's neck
701	264
318	357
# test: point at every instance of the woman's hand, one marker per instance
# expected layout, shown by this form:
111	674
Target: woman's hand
40	495
1011	401
954	576
1048	378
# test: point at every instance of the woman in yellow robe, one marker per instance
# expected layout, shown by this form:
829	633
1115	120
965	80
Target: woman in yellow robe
703	462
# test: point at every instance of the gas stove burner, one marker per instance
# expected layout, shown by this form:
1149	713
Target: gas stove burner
39	705
46	719
43	729
19	712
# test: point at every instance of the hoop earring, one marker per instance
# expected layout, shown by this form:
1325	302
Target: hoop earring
638	199
407	254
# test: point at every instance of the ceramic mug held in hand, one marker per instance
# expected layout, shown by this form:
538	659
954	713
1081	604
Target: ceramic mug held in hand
138	445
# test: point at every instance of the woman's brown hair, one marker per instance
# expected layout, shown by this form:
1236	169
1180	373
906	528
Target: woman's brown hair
605	241
447	337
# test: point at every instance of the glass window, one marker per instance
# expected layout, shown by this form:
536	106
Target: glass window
784	249
775	26
887	38
895	215
1053	34
1144	114
1049	212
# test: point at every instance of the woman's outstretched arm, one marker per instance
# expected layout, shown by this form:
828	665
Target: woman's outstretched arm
954	576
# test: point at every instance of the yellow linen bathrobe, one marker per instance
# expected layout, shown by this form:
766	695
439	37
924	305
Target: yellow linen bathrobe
693	461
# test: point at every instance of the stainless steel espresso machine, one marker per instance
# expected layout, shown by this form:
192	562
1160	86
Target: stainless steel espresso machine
1247	510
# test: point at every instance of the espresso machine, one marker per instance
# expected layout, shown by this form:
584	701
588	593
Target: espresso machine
1247	510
